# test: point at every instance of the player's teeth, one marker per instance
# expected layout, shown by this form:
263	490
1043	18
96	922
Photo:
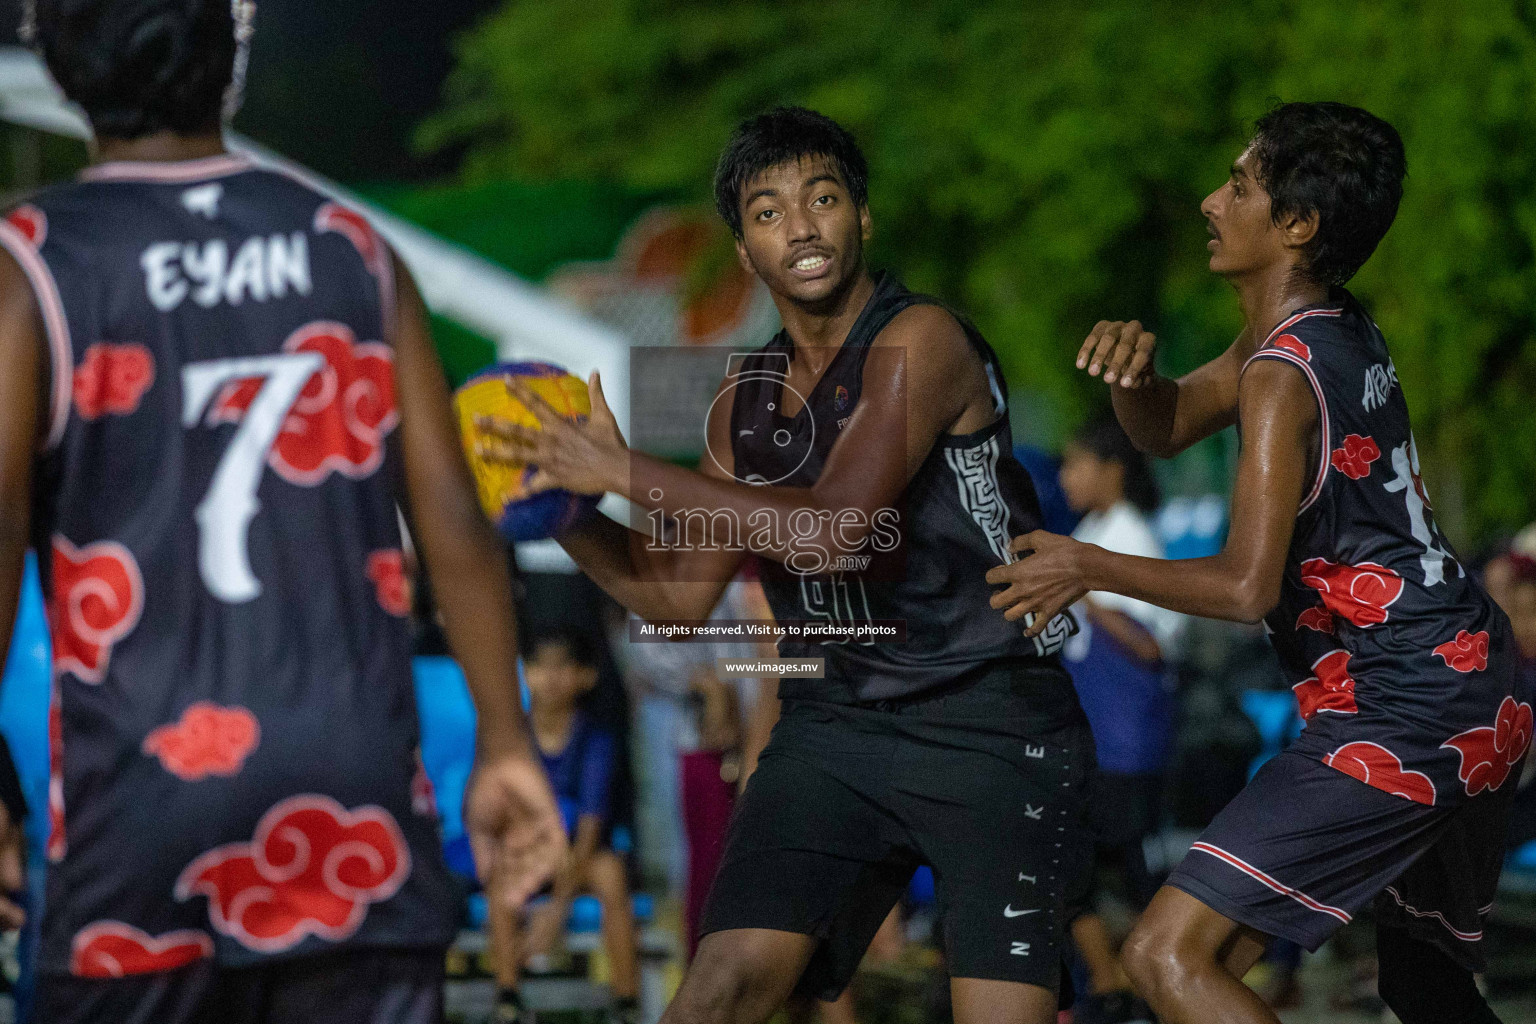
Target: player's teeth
810	263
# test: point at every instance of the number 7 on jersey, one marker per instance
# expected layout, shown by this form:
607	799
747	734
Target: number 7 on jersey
225	513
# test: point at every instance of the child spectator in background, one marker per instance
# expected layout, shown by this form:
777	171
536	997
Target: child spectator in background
560	664
1118	663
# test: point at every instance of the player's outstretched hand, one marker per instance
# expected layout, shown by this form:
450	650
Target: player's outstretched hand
1044	583
589	457
13	871
1121	350
514	826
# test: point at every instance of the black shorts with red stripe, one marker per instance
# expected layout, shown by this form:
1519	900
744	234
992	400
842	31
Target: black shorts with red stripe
1304	847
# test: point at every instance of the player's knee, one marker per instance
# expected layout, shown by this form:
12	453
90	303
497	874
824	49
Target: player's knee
1153	960
714	991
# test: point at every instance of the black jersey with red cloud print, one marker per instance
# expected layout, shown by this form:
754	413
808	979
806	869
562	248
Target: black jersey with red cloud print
1403	667
234	737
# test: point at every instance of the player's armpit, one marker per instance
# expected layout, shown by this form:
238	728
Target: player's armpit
23	384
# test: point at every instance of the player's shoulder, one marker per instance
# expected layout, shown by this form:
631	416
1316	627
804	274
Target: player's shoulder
932	335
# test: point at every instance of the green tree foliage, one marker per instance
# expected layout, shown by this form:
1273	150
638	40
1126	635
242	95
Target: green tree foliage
1042	165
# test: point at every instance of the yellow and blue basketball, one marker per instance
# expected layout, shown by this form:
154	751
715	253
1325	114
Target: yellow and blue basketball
503	488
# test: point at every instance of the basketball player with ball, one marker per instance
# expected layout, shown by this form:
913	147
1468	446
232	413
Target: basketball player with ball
875	415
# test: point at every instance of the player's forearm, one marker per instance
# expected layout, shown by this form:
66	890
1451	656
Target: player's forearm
467	566
1149	415
657	585
1216	587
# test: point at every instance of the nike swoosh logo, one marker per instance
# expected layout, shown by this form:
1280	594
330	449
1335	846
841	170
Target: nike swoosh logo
1008	911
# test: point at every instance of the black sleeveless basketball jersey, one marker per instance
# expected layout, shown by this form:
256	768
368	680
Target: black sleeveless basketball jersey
1403	666
234	735
968	500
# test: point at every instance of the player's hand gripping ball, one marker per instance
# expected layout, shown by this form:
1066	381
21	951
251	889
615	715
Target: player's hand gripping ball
503	487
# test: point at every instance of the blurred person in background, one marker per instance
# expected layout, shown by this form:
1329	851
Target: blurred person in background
691	724
561	665
219	386
1119	664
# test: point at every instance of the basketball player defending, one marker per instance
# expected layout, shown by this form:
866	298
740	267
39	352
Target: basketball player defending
963	748
1398	789
218	386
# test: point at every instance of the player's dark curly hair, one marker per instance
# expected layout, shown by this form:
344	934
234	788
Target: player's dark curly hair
140	66
778	136
1346	164
1108	442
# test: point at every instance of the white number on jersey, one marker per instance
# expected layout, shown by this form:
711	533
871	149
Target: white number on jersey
226	511
1405	462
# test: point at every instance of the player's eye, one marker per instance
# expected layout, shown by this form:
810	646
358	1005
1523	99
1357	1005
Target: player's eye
767	214
826	200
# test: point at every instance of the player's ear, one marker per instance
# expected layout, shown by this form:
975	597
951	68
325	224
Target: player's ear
743	258
866	225
1299	228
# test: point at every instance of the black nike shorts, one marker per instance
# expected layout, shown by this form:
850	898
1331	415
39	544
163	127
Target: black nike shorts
351	986
1304	847
847	801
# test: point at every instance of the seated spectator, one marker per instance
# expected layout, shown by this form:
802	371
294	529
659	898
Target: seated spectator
561	668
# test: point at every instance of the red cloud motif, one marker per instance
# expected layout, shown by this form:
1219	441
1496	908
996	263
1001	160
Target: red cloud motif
1467	653
31	222
112	379
1318	618
1293	344
1489	753
387	571
1331	688
1375	765
313	868
206	740
353	225
112	949
98	596
1355	456
1359	593
342	416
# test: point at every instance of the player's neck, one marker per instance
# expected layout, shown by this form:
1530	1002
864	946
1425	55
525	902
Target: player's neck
825	325
552	726
1269	296
161	147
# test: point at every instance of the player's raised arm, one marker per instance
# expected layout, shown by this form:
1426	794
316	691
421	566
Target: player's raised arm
1240	583
914	396
508	807
1161	415
654	581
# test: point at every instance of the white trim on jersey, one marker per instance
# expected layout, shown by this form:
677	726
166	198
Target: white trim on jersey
169	171
975	470
1301	316
1322	405
55	324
